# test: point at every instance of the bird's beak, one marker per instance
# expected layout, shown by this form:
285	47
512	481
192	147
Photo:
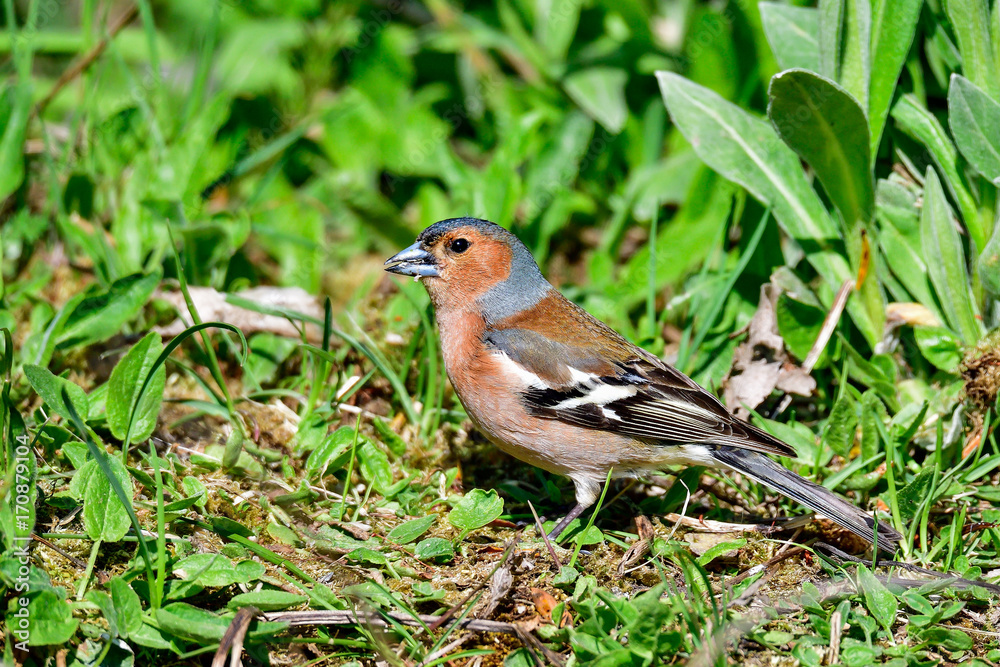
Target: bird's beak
413	261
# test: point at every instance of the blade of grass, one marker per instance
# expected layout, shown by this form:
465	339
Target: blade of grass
213	365
373	354
651	287
197	94
95	550
593	516
167	350
431	391
320	365
350	469
891	456
149	26
382	364
256	549
98	454
161	526
720	299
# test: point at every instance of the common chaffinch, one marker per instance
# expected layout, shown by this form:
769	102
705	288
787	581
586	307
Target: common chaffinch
553	386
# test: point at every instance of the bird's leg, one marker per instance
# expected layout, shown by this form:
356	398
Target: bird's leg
561	526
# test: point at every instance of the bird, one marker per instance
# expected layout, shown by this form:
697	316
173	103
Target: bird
555	387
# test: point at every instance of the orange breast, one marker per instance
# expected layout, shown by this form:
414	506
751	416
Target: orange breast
491	398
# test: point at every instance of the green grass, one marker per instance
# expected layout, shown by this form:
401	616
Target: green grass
308	452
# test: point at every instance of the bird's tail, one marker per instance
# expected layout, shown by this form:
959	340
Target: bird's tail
762	469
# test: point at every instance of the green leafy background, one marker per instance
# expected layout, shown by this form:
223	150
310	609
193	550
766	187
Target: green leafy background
662	160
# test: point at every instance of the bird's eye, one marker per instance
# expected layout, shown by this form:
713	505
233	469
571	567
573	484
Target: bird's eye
459	245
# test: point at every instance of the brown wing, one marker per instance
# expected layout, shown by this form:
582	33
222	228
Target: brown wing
640	396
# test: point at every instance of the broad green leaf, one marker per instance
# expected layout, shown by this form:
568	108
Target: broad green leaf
519	658
555	26
710	52
872	411
50	387
899	235
284	535
589	535
424	591
855	57
841	426
946	260
793	33
97	318
831	25
720	549
108	611
331	452
233	449
567	575
974	119
433	548
947	611
952	639
410	530
250	570
880	602
821	122
970	19
989	263
600	92
16	101
267	600
194	488
104	516
939	346
894	24
747	150
368	556
226	526
149	636
182	504
127	606
375	467
798	324
191	623
476	509
78	484
911	495
76	453
918	602
50	617
389	437
126	380
208	569
920	124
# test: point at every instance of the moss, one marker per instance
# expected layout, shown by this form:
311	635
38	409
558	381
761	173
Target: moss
981	373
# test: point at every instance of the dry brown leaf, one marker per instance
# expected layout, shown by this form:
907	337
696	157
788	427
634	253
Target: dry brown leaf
500	584
761	364
544	602
212	306
633	556
644	527
912	314
700	543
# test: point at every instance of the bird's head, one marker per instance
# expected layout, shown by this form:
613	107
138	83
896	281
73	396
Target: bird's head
470	263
